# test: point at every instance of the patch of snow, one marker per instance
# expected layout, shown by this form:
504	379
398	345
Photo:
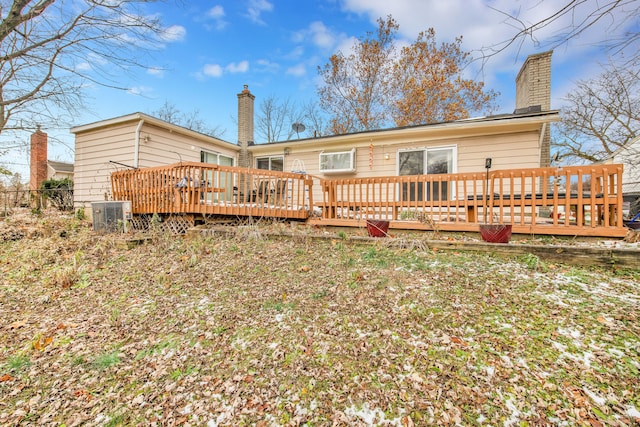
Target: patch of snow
490	371
632	411
507	361
515	412
599	400
616	352
102	419
573	333
371	417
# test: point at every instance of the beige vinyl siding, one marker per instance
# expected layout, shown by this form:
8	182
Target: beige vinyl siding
97	148
93	155
164	147
508	151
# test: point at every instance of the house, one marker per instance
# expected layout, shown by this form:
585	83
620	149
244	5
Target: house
517	140
629	156
59	170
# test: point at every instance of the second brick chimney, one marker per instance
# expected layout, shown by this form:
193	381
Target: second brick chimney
245	126
38	166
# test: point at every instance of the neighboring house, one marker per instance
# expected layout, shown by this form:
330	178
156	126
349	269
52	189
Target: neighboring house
629	156
59	170
518	140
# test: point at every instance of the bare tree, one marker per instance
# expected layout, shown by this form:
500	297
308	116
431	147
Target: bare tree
602	115
582	15
50	51
170	113
275	119
355	85
314	120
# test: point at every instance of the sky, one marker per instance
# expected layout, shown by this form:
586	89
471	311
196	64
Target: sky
214	47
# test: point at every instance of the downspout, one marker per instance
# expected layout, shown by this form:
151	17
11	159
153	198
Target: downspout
136	149
541	141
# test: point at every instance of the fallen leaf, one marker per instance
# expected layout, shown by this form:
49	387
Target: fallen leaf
18	324
458	341
6	377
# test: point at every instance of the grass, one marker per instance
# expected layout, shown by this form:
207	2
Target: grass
260	331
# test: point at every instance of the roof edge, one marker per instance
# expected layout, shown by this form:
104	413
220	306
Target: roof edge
149	119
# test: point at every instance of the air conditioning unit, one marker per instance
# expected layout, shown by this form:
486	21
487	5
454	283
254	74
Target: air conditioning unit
111	216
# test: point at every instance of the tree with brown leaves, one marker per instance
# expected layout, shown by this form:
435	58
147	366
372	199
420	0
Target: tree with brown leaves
375	87
429	87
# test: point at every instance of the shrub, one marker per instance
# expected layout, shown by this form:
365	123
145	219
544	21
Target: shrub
59	192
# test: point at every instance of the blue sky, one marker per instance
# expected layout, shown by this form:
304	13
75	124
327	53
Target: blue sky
212	48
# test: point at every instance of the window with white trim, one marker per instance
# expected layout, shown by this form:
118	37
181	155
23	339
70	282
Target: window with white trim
338	162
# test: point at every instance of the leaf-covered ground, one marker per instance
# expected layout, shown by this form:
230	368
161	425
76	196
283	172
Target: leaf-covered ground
255	330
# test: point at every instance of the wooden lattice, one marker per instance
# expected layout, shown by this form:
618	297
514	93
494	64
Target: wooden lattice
140	222
177	224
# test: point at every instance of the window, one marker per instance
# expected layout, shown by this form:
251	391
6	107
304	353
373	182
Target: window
215	158
217	179
426	161
341	161
272	163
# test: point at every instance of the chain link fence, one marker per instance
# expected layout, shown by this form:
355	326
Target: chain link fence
59	198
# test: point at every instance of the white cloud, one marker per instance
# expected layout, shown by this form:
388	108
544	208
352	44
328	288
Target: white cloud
297	70
173	33
83	66
264	65
156	71
240	67
217	14
320	36
139	90
212	70
256	8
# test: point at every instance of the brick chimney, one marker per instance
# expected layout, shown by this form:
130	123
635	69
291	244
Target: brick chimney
245	126
533	93
38	166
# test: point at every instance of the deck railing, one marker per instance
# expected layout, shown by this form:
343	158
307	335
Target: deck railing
578	200
200	188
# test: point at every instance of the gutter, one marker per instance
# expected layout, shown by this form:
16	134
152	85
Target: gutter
136	149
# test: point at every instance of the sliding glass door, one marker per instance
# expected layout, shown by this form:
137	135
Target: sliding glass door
438	160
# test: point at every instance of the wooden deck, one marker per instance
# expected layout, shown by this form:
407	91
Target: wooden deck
575	201
204	189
